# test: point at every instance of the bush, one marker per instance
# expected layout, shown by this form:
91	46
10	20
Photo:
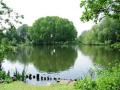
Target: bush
4	78
108	83
86	84
106	80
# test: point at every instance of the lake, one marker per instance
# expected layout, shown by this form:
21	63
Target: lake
47	64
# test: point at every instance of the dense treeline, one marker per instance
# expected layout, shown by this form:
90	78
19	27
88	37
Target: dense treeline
14	36
46	30
106	32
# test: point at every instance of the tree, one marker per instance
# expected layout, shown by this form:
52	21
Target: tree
22	32
94	9
106	32
8	18
52	29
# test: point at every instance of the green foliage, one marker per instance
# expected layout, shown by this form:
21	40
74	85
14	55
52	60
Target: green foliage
22	33
108	83
5	46
16	36
8	79
8	19
116	45
51	30
109	79
4	78
3	49
12	37
8	36
19	76
97	9
106	32
106	80
2	74
86	84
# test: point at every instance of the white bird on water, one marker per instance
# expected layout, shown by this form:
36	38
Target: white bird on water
53	51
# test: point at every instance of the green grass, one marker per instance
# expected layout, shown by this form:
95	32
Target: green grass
23	86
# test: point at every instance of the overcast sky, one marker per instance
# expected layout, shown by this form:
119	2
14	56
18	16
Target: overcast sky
34	9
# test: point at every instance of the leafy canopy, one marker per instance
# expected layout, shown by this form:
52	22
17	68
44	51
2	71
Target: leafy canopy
106	32
52	29
97	9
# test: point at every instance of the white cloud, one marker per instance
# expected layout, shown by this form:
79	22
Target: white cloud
34	9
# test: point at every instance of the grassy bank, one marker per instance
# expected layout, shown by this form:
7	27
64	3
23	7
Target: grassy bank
22	86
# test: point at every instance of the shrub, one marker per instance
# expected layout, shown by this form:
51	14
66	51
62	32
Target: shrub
86	84
106	80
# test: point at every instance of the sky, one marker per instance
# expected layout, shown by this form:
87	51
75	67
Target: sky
34	9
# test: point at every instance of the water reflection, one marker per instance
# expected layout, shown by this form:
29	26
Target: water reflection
46	64
70	65
45	58
100	55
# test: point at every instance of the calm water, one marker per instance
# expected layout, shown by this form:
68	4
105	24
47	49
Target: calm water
45	64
